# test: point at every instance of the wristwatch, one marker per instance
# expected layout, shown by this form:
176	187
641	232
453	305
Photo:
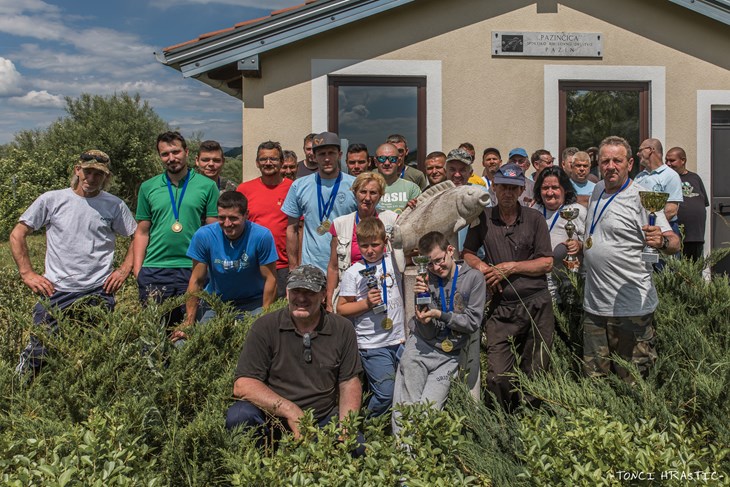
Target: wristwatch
665	243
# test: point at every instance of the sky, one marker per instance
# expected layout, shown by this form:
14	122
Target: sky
54	49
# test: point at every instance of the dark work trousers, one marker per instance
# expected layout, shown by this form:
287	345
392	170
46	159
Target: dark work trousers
33	355
243	413
161	284
528	328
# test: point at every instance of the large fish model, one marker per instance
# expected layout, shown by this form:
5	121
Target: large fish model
444	208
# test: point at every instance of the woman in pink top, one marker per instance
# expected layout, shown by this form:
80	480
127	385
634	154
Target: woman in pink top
368	188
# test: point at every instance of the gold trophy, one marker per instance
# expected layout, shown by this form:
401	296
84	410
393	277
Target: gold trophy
422	299
652	201
571	261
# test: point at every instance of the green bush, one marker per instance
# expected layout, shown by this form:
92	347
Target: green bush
117	405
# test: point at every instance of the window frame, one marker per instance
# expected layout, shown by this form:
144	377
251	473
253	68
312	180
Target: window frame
419	82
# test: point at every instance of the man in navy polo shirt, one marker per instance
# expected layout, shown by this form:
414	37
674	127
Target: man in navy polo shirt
236	257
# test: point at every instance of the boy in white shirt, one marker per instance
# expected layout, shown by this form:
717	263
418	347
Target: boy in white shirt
376	311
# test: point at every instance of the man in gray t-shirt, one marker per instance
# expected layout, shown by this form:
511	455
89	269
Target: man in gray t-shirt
81	223
619	296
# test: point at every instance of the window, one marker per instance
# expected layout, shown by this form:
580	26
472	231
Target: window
366	109
592	110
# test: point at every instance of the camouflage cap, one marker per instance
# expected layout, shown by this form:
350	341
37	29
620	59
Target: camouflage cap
325	139
510	174
306	277
460	155
95	159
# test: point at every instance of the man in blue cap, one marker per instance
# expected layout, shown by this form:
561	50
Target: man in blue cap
519	156
518	252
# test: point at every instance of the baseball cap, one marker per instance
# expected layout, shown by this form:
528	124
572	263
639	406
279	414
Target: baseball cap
95	159
460	155
510	174
491	150
324	139
519	151
306	277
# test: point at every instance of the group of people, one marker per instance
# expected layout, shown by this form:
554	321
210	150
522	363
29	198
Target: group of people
319	236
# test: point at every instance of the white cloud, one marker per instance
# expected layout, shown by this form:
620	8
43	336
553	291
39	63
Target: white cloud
10	7
39	99
10	78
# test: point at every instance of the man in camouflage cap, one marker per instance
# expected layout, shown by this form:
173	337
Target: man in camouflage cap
300	357
82	224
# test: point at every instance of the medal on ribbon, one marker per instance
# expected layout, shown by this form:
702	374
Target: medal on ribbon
594	220
177	226
325	208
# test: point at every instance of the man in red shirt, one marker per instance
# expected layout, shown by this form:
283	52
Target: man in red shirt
265	196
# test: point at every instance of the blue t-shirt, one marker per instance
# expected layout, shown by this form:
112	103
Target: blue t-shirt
233	266
585	189
663	179
302	200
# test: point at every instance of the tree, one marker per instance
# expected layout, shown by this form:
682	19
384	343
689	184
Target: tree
122	125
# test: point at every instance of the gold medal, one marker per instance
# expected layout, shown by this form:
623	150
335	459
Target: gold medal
387	323
177	227
326	224
447	345
589	242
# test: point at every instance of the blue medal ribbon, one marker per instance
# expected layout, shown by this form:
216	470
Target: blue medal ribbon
176	205
403	172
555	218
450	307
326	208
595	221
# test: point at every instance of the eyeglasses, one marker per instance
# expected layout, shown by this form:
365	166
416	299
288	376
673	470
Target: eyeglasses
85	156
391	159
437	262
642	148
270	159
307	341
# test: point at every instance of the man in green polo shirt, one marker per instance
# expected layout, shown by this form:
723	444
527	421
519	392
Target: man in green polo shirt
170	208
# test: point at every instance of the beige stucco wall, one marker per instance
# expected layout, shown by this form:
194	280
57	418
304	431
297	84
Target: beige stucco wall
494	101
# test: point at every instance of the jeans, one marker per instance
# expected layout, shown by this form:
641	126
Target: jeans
380	365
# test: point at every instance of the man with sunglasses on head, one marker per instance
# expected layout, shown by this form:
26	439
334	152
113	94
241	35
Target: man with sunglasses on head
398	191
170	208
300	357
82	223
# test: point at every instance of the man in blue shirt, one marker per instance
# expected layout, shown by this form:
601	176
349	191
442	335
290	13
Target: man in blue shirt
319	198
236	257
657	176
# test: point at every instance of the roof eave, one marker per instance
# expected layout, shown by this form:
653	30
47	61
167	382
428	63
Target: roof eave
718	10
280	31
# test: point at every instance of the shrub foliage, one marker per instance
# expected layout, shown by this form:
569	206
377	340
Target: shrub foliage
117	405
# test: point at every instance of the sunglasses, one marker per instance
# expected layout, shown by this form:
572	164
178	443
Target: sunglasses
391	159
307	341
94	157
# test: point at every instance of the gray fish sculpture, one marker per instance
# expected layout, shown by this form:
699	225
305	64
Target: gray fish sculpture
443	208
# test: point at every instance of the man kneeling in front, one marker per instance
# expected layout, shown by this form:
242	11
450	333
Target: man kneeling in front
297	358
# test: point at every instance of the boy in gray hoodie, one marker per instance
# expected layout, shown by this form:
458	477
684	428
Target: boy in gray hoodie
441	329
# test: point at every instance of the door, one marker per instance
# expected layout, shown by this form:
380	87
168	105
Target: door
720	203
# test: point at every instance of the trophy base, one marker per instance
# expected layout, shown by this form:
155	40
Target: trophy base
650	257
423	300
379	309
